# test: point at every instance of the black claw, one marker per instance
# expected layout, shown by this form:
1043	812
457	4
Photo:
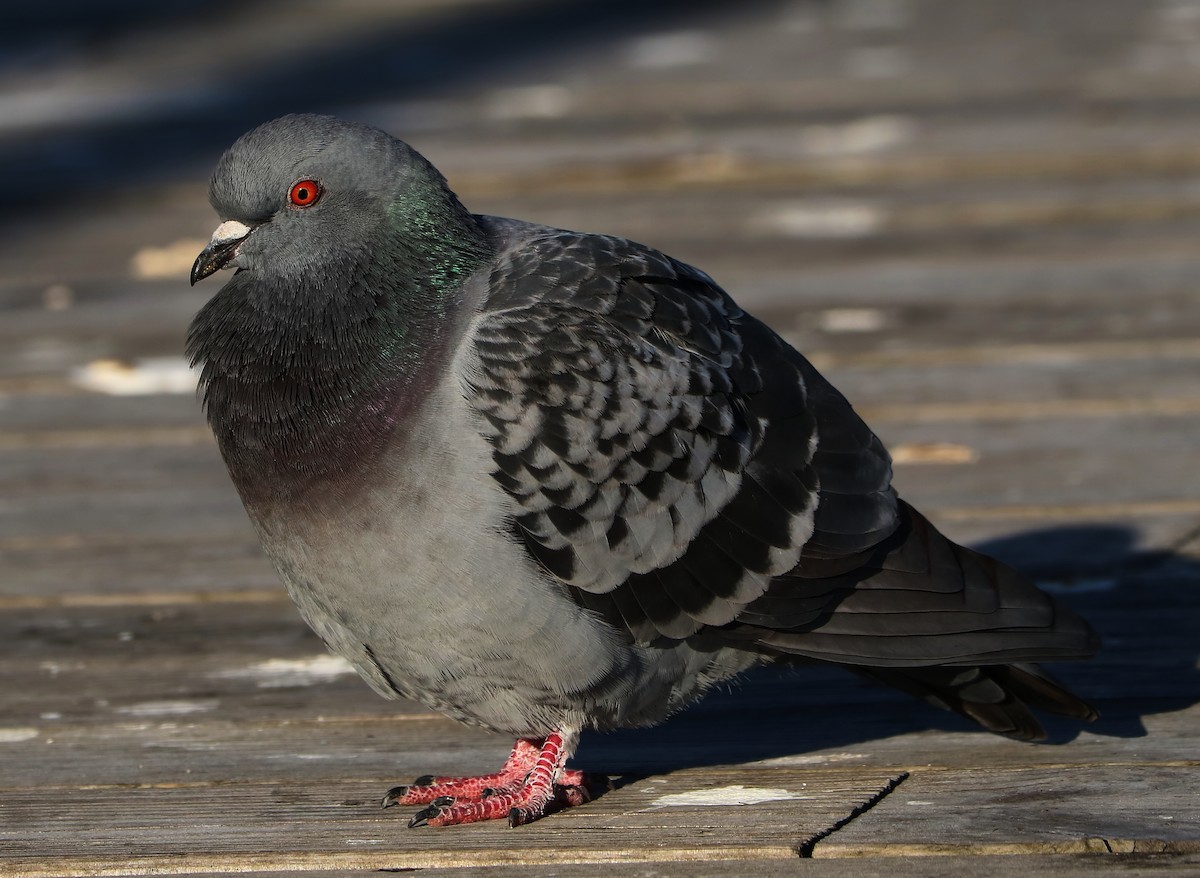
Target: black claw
423	781
430	811
518	817
394	795
487	791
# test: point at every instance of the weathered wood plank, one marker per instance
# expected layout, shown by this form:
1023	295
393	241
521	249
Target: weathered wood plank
1139	865
107	694
168	515
1065	809
1020	461
310	828
916	307
1030	461
703	814
206	740
1142	865
876	362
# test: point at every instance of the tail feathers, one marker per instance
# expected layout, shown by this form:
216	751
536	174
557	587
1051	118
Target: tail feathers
1038	689
917	600
998	697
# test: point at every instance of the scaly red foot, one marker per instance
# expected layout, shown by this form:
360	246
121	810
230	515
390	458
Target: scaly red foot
532	779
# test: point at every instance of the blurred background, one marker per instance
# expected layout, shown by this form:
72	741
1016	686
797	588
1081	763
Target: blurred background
979	219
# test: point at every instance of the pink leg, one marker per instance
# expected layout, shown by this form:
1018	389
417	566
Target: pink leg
532	778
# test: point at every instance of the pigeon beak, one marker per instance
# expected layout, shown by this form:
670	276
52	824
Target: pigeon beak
220	249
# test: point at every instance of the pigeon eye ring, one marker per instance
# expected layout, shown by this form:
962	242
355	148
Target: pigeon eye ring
305	193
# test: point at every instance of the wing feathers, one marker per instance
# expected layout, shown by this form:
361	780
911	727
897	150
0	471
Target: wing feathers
621	420
680	469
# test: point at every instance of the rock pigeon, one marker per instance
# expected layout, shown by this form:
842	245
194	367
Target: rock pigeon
542	481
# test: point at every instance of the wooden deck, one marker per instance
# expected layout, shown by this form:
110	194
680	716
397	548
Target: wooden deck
981	220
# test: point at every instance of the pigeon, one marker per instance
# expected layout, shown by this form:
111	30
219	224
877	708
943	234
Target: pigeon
545	481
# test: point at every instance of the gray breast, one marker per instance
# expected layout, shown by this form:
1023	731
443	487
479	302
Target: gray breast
412	574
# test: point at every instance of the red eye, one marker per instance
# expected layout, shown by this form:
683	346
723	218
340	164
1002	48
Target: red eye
305	193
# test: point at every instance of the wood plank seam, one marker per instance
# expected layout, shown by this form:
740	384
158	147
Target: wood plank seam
805	848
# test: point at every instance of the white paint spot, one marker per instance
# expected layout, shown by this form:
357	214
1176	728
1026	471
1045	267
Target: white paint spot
917	802
275	673
530	102
308	757
1078	586
679	49
169	262
818	219
18	734
50	715
810	759
363	841
168	708
870	134
731	795
145	377
55	668
852	320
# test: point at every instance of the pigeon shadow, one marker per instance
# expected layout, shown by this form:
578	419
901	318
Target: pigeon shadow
1146	606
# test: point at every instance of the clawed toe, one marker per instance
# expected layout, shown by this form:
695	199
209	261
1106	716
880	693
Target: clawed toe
520	805
431	812
395	796
412	794
532	783
460	788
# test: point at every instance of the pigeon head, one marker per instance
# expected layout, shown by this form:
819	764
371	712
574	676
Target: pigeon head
303	196
350	255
